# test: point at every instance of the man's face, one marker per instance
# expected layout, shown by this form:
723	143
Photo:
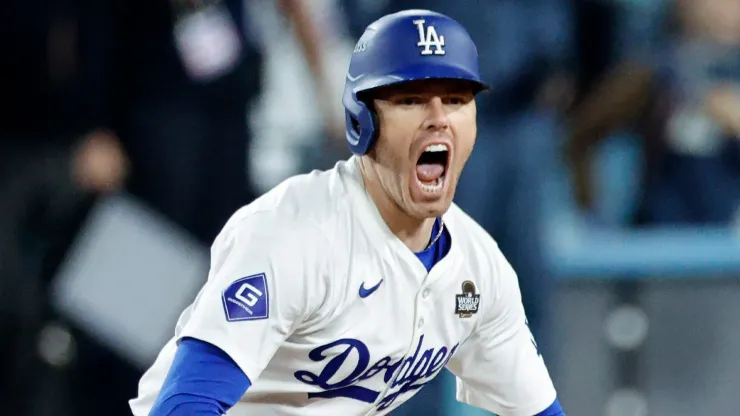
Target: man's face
427	131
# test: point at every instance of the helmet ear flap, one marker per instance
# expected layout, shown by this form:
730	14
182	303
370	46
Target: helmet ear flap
362	126
375	129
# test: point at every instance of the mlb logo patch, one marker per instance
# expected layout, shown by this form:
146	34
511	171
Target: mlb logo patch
467	302
247	299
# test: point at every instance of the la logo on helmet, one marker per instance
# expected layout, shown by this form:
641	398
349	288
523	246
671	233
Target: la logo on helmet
429	39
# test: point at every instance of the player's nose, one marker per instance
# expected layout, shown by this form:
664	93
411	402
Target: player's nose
436	115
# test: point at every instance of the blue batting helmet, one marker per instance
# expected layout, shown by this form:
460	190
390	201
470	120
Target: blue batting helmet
405	46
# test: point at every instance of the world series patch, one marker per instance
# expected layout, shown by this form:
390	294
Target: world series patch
467	303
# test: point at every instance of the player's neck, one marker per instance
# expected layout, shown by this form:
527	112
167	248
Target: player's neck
415	233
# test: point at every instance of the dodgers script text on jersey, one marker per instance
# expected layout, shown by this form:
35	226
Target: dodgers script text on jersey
327	312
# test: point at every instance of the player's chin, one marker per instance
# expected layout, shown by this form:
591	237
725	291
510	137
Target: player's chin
431	199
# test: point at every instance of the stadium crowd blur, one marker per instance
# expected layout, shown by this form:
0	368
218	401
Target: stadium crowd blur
194	108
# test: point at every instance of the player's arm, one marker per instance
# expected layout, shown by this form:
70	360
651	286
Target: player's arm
203	380
499	368
265	280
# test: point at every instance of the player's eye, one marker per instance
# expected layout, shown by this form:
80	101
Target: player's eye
455	100
408	100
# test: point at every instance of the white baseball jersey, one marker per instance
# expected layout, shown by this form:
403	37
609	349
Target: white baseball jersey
327	312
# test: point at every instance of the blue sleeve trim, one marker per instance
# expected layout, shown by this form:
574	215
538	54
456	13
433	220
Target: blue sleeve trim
555	409
203	380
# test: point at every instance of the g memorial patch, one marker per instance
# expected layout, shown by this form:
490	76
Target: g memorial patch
247	299
466	303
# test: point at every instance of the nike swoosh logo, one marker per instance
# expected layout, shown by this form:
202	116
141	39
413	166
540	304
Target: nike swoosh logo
367	292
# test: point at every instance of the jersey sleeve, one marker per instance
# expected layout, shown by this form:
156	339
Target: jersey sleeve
266	278
499	367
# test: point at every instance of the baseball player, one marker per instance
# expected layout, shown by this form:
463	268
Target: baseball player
343	292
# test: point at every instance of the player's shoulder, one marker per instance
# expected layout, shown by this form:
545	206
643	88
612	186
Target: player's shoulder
304	207
468	232
481	250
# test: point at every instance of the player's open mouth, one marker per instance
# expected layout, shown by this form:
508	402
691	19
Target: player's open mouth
431	168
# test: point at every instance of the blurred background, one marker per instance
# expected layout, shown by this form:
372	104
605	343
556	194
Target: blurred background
607	167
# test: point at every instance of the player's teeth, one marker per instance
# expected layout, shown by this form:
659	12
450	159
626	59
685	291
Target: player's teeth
439	147
433	187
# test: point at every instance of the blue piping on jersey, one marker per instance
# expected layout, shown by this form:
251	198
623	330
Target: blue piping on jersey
438	250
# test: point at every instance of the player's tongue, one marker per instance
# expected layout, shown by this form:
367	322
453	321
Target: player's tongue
431	164
429	172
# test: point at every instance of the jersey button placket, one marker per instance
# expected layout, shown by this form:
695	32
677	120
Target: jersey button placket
421	307
425	293
421	310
